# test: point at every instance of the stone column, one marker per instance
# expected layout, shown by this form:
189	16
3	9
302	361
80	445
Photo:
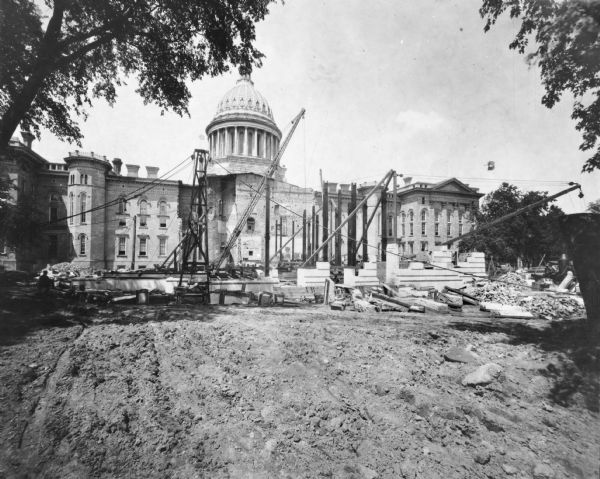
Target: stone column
255	139
245	151
265	144
235	140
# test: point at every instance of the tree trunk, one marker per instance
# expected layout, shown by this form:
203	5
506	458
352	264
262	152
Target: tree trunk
48	51
582	234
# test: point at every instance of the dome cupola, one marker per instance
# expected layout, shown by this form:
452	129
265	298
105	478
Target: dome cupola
243	136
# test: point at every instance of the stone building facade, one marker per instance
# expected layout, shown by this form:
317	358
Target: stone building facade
103	218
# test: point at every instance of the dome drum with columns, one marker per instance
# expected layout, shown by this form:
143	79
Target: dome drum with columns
243	136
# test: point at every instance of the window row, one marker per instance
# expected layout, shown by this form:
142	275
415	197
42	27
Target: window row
144	205
83	179
80	202
407	223
142	246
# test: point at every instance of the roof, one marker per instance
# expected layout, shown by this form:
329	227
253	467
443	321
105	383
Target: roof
244	98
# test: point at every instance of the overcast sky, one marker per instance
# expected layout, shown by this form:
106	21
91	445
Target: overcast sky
414	86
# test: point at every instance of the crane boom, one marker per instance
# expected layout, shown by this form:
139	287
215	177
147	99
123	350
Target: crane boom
574	186
235	234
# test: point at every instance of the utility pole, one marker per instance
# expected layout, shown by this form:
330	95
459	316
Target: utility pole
395	200
304	235
365	230
338	221
267	228
133	242
314	231
384	223
325	220
352	227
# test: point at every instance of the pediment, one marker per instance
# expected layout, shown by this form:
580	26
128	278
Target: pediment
453	185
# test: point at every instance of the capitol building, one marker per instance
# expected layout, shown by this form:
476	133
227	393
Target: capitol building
103	215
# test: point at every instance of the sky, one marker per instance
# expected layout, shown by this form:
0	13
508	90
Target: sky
387	84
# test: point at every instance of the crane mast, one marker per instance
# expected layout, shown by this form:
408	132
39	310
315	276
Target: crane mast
235	234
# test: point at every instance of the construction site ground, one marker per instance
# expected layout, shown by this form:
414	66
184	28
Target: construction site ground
189	391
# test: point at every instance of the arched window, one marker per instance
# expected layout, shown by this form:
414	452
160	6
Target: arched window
403	223
83	201
122	206
143	213
423	222
71	208
250	224
162	208
82	244
437	223
411	219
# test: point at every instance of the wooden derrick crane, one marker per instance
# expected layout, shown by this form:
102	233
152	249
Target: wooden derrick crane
258	191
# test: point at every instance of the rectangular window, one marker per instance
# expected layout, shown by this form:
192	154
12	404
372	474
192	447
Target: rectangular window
163	222
437	229
162	246
82	245
424	246
410	229
122	246
460	229
143	246
122	222
143	222
423	226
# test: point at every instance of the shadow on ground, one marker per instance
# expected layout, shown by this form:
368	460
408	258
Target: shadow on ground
23	311
577	369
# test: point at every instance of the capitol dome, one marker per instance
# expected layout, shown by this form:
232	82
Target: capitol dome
244	98
243	134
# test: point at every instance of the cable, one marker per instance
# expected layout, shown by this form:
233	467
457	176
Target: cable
257	192
128	197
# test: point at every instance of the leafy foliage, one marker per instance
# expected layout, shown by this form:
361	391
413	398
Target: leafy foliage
567	50
89	46
20	221
530	235
594	207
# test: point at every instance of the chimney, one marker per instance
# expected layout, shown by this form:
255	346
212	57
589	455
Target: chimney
27	138
117	163
407	180
152	171
132	170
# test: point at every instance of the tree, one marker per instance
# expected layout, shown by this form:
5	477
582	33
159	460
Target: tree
594	207
89	46
530	236
567	50
20	220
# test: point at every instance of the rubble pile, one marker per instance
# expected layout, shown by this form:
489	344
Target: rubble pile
67	267
547	306
513	279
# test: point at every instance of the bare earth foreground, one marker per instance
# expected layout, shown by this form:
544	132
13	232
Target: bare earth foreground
214	392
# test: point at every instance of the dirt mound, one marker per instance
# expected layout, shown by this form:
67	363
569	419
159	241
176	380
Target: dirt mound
224	392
